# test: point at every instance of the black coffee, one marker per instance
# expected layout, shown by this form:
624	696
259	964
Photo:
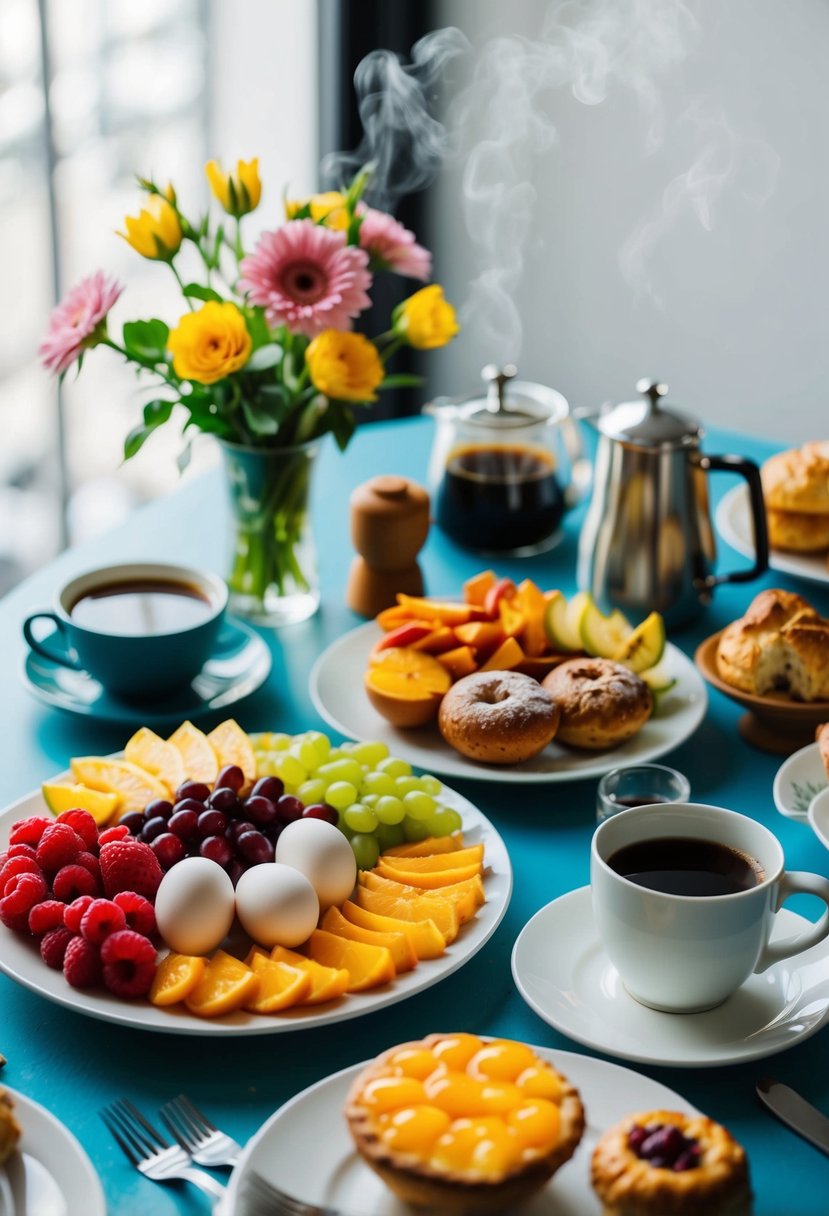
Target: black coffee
499	497
682	866
627	800
142	607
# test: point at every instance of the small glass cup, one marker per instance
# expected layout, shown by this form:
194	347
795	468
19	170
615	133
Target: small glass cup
639	785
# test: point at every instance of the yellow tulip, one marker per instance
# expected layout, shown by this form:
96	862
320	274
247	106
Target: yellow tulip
239	192
210	343
328	208
156	231
426	320
344	366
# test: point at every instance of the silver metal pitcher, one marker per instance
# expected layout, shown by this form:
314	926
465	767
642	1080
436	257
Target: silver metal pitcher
647	542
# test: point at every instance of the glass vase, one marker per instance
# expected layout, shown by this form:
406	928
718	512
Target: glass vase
272	577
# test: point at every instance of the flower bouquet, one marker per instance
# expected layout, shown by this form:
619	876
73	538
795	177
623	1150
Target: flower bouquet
265	357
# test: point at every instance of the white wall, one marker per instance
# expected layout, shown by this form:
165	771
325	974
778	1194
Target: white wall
734	315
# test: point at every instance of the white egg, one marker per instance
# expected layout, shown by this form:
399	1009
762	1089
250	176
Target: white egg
194	906
277	905
323	855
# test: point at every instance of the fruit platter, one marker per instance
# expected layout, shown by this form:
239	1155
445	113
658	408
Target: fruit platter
502	642
230	884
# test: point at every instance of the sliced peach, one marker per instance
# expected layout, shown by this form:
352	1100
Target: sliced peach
532	603
368	966
447	612
485	636
398	944
426	939
467	896
406	686
175	978
511	616
390	618
226	984
280	985
458	662
506	657
429	880
502	589
327	983
450	860
407	634
424	907
427	847
440	639
475	589
541	665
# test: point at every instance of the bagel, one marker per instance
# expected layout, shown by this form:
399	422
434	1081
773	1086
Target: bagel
498	717
602	703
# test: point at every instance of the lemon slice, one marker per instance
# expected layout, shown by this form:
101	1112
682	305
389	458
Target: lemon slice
602	635
200	760
136	786
149	751
232	746
59	798
645	646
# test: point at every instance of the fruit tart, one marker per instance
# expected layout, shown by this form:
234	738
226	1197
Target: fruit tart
464	1124
9	1127
664	1163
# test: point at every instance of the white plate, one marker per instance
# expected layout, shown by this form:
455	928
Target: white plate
20	960
332	1173
563	973
55	1149
337	693
733	518
796	782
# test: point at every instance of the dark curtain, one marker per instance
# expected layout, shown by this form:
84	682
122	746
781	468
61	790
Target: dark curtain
348	30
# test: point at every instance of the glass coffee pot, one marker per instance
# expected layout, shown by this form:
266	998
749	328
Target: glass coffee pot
505	466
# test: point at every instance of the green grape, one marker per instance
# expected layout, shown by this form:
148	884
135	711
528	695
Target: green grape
418	805
369	799
337	753
312	790
405	785
345	829
444	821
340	794
370	753
394	767
366	850
388	835
389	809
267	765
360	818
279	742
415	830
378	783
430	785
307	754
342	770
291	771
320	743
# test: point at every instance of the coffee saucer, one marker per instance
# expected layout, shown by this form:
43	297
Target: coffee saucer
562	972
240	663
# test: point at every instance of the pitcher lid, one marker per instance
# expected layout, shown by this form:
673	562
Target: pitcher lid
649	422
507	403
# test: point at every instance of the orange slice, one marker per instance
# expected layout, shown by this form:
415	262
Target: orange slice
280	986
428	881
398	945
432	863
227	984
149	751
467	896
232	746
135	785
367	966
427	847
405	685
200	760
101	805
423	907
176	977
425	938
327	983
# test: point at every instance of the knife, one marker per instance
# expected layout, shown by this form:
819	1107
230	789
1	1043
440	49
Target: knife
795	1112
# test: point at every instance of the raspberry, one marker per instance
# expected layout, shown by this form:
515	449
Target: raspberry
130	865
139	912
82	963
91	863
81	822
19	850
21	894
118	831
15	866
53	947
101	918
45	916
58	846
73	913
29	831
72	881
129	963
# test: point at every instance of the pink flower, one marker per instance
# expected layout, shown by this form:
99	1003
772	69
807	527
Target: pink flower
393	246
306	277
73	324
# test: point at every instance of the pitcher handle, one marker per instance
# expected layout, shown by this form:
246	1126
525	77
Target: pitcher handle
751	472
580	466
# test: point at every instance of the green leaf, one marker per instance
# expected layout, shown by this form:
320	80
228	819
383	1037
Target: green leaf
195	291
136	440
342	423
146	341
401	380
259	419
156	413
257	327
264	357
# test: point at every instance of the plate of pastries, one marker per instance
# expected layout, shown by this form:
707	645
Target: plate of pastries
796	494
774	661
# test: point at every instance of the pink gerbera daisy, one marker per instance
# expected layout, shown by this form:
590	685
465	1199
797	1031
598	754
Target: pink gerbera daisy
73	324
306	277
393	246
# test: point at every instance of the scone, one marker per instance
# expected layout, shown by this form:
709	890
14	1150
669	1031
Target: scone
463	1124
663	1163
602	703
9	1127
798	479
797	531
780	645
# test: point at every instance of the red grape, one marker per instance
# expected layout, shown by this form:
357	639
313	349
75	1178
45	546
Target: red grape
218	849
254	848
134	821
212	823
321	810
269	787
193	789
168	849
260	809
230	777
185	825
236	869
289	808
153	827
189	804
158	808
238	826
224	799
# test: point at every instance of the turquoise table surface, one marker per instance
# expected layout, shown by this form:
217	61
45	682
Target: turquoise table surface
73	1064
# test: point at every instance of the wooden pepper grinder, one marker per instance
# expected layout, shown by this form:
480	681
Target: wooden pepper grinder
389	526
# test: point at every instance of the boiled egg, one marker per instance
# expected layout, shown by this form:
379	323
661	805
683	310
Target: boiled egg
323	855
276	905
194	906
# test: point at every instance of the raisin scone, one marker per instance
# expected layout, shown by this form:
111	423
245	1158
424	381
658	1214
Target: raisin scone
9	1127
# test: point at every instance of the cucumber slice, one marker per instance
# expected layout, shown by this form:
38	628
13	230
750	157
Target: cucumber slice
603	635
645	646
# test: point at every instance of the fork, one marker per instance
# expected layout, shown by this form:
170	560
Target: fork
262	1198
150	1153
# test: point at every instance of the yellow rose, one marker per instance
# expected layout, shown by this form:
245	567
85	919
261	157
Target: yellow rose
344	366
426	320
328	208
238	193
156	231
210	343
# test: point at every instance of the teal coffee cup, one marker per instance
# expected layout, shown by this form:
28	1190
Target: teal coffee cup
142	629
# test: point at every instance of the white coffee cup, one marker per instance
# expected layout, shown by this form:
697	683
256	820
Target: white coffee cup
685	953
